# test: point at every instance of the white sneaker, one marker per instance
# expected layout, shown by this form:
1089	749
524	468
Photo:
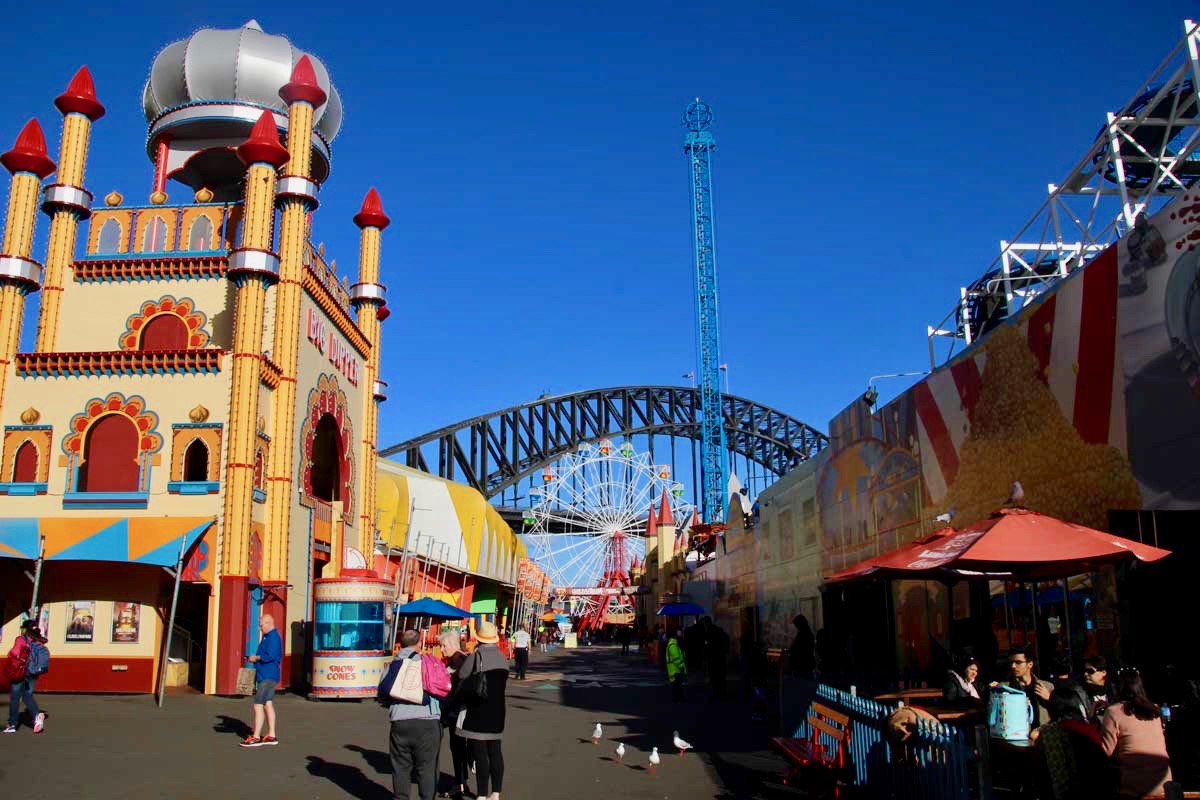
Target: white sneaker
39	724
10	728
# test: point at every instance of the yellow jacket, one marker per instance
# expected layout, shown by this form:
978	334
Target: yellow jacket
676	663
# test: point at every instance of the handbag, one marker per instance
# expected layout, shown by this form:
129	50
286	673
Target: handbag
408	686
474	688
245	681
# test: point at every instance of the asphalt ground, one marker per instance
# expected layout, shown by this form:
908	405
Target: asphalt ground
97	746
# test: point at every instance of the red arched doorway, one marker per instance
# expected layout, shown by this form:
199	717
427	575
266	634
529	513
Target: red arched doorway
110	456
25	464
164	332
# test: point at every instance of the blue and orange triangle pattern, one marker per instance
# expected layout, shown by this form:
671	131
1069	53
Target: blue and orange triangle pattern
143	540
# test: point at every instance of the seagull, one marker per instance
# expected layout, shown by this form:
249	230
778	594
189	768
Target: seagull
597	734
621	751
680	743
654	760
1017	495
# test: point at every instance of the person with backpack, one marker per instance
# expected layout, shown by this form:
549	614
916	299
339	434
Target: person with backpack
415	739
27	661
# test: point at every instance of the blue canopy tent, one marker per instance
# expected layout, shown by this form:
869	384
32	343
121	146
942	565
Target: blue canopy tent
433	608
681	610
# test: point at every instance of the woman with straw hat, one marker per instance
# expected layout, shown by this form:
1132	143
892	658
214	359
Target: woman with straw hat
481	720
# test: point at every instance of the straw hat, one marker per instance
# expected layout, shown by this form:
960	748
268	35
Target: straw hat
485	633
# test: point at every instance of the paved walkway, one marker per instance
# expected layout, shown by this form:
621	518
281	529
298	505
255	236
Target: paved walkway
122	747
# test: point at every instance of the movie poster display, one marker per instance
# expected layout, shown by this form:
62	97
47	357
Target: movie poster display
126	623
81	621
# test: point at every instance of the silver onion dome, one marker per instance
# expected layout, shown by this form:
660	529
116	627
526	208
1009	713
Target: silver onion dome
205	92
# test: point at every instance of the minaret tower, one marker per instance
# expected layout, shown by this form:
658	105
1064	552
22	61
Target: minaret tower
20	274
666	532
296	196
66	201
253	268
369	297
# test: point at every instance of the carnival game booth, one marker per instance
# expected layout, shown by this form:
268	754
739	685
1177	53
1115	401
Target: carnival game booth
350	638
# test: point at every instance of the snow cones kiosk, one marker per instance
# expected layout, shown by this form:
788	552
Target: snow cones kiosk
350	638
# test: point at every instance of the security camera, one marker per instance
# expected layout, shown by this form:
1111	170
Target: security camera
870	396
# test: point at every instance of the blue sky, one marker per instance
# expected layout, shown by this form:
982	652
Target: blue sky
870	158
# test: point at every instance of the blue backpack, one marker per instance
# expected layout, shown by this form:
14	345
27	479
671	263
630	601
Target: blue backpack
39	659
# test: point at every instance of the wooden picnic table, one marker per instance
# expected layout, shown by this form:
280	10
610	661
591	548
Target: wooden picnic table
907	696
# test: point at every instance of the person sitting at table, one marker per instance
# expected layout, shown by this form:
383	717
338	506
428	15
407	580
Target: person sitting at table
1133	733
1095	683
1070	747
961	689
1021	676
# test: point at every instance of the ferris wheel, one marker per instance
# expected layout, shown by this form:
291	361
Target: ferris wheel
587	523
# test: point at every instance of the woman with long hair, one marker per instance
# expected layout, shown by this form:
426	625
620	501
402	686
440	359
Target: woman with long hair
1132	732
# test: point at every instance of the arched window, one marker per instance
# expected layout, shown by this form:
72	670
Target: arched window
326	457
195	461
25	464
110	237
164	332
154	238
201	236
259	468
110	456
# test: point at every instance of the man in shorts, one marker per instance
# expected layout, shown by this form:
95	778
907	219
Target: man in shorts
266	677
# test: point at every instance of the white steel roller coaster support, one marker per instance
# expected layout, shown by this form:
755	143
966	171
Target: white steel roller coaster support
1096	204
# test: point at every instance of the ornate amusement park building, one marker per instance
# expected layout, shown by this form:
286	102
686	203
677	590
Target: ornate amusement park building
204	387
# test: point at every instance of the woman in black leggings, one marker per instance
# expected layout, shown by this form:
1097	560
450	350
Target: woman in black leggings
481	722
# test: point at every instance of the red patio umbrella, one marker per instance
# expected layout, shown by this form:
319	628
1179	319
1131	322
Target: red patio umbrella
1012	542
893	563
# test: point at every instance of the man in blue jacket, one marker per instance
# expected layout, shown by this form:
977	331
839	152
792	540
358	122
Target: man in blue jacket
266	677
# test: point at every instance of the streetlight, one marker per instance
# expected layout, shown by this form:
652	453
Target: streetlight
871	395
691	376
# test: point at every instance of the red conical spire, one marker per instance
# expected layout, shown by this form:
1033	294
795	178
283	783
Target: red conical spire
80	97
371	214
262	146
652	523
664	515
28	154
303	85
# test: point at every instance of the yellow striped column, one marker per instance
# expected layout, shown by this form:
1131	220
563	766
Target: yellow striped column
20	275
296	196
369	297
66	201
252	268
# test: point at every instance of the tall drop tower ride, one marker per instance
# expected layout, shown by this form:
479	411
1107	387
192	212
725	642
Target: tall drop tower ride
699	146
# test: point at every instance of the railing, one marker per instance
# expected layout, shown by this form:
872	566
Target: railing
120	362
934	762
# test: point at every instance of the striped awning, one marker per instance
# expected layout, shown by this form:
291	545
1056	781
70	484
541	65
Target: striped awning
136	540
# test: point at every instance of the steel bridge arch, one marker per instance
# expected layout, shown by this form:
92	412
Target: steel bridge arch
494	452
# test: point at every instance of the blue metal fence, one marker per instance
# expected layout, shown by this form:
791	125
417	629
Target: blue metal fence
934	762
